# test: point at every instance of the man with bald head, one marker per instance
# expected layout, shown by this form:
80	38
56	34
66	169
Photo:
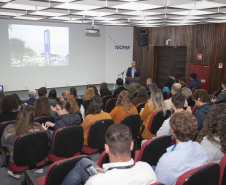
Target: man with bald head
175	89
133	71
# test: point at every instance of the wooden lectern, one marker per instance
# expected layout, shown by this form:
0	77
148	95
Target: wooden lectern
133	79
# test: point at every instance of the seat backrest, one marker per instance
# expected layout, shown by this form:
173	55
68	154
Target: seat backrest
104	158
30	148
216	93
96	134
133	122
222	180
44	119
153	149
135	94
169	95
110	105
164	95
206	174
105	99
190	101
59	170
194	88
157	120
68	141
3	125
139	106
193	109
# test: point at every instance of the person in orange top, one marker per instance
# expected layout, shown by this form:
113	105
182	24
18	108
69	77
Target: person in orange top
94	114
154	104
123	107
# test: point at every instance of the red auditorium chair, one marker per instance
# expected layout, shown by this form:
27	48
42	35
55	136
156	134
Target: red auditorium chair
67	142
134	123
153	149
193	109
134	94
157	120
3	125
110	105
194	88
55	173
139	106
96	136
169	95
79	102
216	93
222	180
207	174
190	101
105	99
157	183
30	151
44	119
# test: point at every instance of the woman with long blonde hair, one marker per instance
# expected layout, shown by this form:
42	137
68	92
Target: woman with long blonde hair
155	103
123	107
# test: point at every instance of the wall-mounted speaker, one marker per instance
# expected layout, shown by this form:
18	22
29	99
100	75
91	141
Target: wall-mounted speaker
143	37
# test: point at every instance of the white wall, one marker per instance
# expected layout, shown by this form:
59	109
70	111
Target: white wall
92	59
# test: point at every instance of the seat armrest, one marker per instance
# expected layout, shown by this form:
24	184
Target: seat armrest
29	179
5	156
142	125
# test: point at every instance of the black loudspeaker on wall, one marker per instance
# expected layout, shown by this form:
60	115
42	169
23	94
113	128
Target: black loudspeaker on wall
143	37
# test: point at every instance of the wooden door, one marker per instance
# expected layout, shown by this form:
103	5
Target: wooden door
171	61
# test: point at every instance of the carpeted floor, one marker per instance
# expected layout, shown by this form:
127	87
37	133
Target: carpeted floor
6	179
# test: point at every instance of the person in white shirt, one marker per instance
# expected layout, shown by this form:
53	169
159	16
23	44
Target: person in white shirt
177	105
185	155
121	170
212	137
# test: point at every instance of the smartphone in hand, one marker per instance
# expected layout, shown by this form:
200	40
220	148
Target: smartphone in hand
91	170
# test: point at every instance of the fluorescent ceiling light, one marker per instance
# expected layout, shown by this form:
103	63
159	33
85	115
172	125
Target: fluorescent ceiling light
188	17
28	18
23	7
76	6
93	13
140	13
191	12
216	21
10	14
136	6
52	14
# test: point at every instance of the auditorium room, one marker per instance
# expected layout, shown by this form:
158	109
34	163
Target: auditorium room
106	92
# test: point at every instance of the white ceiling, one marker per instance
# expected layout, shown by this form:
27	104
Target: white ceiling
141	13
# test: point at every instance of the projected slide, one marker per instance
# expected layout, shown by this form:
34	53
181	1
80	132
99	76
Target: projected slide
38	45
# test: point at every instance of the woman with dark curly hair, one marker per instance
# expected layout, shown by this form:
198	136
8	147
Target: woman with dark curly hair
9	108
212	137
123	108
95	113
168	85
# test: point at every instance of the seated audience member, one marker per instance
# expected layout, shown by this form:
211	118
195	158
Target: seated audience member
42	92
212	137
177	105
87	97
32	95
152	86
222	95
185	155
52	98
141	97
66	95
9	108
131	87
67	117
104	91
148	83
123	108
168	85
201	99
120	88
94	88
73	92
121	170
42	107
176	88
95	113
18	100
154	104
24	124
186	91
194	82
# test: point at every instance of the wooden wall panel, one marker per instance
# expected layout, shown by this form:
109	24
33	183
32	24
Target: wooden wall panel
199	39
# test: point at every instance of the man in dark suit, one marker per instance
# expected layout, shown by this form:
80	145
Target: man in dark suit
32	95
133	71
222	95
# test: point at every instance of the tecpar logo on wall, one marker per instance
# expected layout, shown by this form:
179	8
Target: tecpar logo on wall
122	47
